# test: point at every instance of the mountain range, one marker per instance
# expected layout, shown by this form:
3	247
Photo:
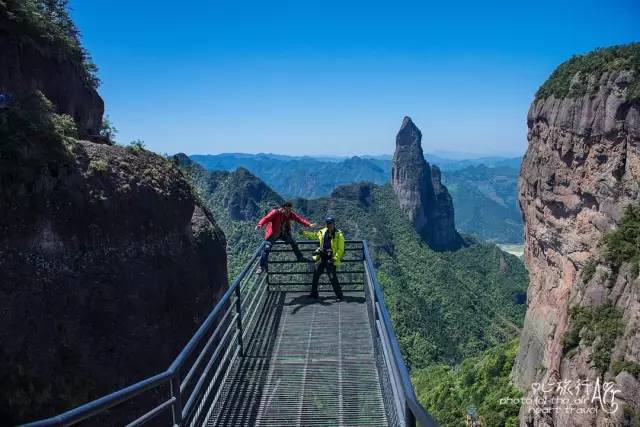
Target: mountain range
483	189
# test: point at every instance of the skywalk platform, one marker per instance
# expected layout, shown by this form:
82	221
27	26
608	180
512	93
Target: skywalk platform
270	355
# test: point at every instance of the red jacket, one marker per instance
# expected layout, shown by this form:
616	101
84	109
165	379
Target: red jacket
276	219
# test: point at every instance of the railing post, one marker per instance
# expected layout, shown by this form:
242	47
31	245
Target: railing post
176	407
239	320
409	418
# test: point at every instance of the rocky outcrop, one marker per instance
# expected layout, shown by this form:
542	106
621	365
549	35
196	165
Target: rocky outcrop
420	191
361	192
581	169
248	191
242	195
31	61
108	262
107	266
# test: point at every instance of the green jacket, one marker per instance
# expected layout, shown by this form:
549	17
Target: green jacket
337	243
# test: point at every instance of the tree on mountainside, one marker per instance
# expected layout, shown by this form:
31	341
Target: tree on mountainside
481	381
50	20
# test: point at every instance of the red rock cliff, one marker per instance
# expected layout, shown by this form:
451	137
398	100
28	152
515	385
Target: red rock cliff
581	169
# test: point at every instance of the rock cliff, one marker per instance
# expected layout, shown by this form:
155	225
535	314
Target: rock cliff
420	191
581	169
108	263
34	58
107	266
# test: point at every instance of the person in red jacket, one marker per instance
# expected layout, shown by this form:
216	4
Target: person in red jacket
278	227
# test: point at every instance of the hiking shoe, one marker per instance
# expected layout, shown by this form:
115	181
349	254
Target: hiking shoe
260	270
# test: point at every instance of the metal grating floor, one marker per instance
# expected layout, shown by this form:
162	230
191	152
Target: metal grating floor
309	363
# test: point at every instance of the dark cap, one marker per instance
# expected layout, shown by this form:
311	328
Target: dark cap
287	204
330	220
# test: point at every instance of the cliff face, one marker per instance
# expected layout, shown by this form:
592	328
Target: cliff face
31	63
108	263
581	169
420	192
107	266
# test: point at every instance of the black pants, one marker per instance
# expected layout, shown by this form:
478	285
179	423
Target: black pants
287	238
320	267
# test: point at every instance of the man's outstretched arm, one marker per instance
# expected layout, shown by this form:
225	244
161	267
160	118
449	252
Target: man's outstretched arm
301	220
311	235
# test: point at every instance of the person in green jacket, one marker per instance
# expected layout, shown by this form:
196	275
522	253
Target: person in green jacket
328	256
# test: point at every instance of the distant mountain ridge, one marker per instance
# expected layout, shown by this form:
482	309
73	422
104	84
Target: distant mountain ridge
483	189
301	176
233	160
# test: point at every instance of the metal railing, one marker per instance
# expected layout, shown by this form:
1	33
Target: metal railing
195	378
197	373
402	405
287	274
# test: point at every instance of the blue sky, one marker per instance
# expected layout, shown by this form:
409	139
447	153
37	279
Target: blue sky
335	77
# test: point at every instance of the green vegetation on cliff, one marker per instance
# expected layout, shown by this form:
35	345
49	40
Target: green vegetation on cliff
623	244
591	66
34	138
598	326
624	365
479	382
49	21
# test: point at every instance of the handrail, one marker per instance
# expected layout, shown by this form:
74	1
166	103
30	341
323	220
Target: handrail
87	410
170	375
413	410
188	349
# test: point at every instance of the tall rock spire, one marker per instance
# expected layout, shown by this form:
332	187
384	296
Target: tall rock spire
420	192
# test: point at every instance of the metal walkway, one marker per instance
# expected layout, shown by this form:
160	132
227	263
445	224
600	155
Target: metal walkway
311	362
269	355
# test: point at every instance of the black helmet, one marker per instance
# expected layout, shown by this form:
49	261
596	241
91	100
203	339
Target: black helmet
330	220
